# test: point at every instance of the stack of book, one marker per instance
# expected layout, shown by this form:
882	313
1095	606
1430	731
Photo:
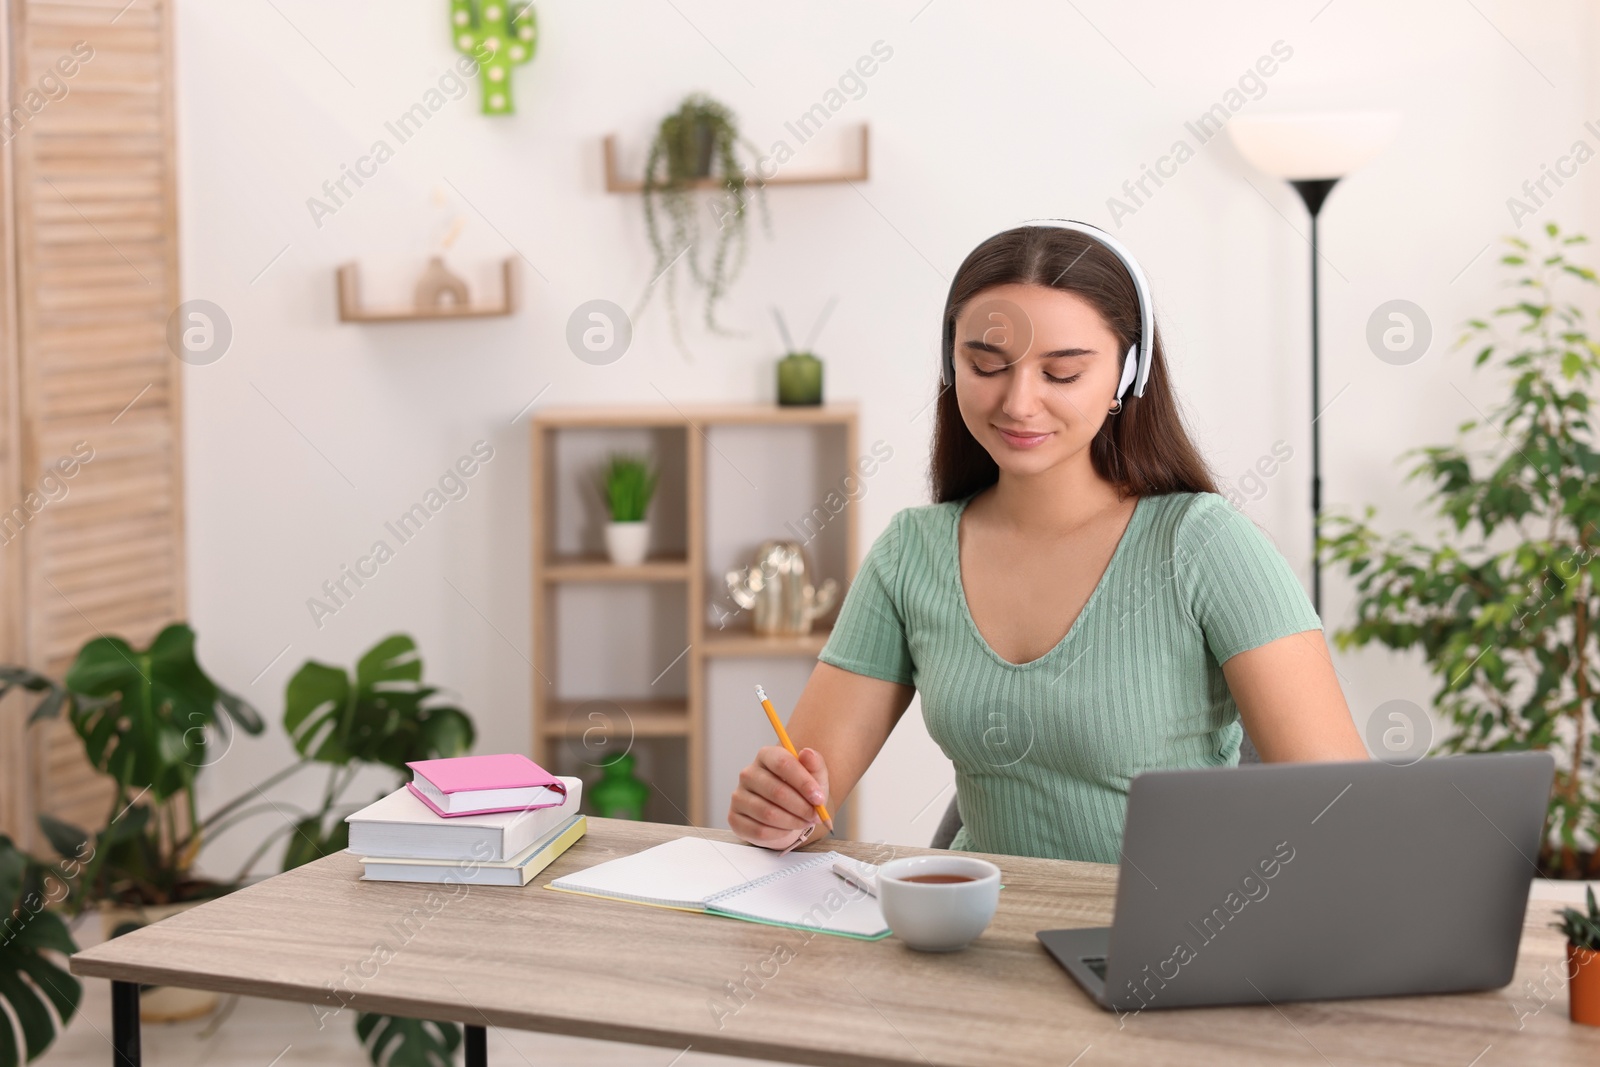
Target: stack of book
477	820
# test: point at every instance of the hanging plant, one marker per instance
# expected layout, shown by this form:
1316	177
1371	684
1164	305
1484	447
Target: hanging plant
692	142
499	34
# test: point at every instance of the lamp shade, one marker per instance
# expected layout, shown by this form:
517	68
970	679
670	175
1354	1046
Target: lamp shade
1313	144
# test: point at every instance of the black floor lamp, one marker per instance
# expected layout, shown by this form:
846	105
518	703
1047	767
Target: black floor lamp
1312	151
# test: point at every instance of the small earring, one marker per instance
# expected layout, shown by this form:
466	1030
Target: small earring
1118	409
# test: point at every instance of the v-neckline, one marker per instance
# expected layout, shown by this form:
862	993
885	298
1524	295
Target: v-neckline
1094	595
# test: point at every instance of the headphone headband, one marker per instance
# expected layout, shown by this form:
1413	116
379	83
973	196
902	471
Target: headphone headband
1136	364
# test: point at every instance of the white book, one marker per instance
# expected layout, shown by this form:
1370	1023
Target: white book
797	889
401	826
516	871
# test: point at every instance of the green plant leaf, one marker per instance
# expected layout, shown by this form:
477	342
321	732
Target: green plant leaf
31	984
65	838
393	1041
309	842
148	731
315	712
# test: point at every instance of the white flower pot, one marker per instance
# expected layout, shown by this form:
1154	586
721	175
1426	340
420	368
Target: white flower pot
626	542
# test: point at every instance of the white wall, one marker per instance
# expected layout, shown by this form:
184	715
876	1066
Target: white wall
308	434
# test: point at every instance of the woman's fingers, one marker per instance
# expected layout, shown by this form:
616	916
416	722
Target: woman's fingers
765	784
777	760
761	810
760	833
774	804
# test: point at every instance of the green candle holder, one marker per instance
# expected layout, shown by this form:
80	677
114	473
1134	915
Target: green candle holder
799	379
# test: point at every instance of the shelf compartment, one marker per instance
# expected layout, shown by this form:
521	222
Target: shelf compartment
350	309
600	569
648	718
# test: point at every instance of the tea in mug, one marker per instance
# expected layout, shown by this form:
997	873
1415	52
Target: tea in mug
938	878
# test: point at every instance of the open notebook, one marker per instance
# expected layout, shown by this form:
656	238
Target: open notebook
797	889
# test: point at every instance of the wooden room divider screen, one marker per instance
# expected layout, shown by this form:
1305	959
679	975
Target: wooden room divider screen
88	280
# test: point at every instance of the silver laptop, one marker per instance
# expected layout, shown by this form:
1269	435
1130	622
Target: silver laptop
1311	881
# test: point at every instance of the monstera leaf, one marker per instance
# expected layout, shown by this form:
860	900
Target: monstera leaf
143	715
383	715
31	982
391	1041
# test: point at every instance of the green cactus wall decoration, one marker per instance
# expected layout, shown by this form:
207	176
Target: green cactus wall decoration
499	34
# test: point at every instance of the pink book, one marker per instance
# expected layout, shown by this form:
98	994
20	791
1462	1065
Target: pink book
475	785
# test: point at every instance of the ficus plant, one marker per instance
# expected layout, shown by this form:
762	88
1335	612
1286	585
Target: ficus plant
1504	605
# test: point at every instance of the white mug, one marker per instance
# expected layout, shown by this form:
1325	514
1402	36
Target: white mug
938	916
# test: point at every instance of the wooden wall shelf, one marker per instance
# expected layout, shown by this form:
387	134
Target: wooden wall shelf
350	309
709	516
617	184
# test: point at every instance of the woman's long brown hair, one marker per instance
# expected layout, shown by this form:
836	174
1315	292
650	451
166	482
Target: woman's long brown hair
1144	450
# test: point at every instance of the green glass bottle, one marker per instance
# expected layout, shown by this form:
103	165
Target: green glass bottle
618	794
800	379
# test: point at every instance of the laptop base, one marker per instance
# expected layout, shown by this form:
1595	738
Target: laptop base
1078	951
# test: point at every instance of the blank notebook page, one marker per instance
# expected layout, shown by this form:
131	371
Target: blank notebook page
681	873
810	895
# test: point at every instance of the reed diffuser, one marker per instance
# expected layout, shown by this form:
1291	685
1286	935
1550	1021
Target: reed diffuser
800	371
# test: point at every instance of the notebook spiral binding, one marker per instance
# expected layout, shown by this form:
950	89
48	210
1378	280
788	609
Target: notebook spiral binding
821	858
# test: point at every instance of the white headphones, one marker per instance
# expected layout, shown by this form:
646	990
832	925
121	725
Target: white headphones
1136	364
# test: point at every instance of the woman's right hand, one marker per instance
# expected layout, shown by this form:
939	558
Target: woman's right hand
777	795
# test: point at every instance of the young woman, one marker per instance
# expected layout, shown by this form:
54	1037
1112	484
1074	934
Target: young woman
1078	606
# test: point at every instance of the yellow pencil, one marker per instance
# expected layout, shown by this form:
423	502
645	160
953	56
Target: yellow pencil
783	736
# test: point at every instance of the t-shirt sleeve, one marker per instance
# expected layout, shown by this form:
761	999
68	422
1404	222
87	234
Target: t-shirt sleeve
869	636
1239	588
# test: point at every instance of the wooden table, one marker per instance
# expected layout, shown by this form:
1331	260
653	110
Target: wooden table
561	963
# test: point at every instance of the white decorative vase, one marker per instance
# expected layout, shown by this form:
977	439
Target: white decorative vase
626	542
163	1003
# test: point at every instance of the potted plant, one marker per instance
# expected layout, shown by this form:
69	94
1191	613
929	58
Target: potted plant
145	717
1583	961
138	869
1506	608
35	988
627	484
700	136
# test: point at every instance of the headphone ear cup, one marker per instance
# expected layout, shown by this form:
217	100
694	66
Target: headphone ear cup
1130	366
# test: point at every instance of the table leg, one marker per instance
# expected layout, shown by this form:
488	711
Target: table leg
125	1024
477	1047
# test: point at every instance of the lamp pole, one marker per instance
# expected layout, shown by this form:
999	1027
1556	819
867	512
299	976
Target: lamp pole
1314	191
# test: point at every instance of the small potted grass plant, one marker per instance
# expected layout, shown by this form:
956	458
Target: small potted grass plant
1583	961
627	484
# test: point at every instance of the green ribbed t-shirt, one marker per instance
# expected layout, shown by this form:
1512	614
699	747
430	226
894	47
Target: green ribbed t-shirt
1044	751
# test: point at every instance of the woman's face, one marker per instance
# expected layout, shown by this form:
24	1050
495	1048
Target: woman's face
1036	372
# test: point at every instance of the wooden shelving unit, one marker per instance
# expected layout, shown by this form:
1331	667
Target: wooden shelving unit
702	531
615	183
351	309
